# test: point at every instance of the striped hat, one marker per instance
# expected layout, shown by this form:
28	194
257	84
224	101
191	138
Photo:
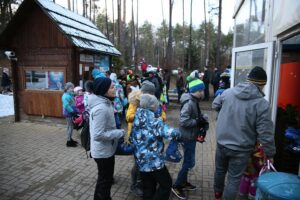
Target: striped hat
196	85
258	76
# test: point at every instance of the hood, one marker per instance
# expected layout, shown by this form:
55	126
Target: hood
188	96
134	97
94	100
247	91
149	101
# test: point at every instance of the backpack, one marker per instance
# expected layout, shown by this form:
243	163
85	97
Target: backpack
85	133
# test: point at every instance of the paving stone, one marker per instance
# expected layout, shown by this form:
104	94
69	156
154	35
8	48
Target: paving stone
36	164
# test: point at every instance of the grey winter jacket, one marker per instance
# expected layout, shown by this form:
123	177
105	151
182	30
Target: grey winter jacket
104	135
188	117
244	119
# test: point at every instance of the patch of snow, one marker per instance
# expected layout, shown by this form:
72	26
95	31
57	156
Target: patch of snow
49	5
6	105
78	33
69	22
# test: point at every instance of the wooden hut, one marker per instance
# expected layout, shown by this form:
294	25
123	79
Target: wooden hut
52	46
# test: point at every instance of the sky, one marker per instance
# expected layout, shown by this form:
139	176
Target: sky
155	11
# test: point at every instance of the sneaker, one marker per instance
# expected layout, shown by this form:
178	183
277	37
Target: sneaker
218	195
179	192
74	141
189	186
136	190
71	144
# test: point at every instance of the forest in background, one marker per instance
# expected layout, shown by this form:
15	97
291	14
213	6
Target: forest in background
167	46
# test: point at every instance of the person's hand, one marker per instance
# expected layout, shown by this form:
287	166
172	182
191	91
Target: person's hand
73	114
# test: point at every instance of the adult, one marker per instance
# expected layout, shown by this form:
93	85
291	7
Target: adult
180	84
244	118
104	134
167	80
155	79
206	81
144	66
5	81
216	79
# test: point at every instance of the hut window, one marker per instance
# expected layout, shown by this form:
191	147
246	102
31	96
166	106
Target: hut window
44	80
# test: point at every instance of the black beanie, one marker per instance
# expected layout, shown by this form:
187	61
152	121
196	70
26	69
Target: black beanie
258	76
101	85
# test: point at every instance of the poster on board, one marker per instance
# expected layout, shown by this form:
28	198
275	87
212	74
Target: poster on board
102	62
56	80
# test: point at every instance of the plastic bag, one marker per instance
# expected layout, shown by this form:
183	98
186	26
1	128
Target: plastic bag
124	148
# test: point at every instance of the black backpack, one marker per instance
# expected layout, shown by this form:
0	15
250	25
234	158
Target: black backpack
85	134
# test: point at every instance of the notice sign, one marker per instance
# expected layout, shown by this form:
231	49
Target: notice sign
86	58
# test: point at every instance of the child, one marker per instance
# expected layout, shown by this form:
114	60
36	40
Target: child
69	110
119	98
88	86
190	123
147	136
256	161
79	97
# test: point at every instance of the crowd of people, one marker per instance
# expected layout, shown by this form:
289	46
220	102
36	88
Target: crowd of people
243	123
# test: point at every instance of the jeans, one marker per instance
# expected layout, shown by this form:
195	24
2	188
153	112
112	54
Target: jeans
69	128
150	181
234	164
180	92
105	177
135	175
189	148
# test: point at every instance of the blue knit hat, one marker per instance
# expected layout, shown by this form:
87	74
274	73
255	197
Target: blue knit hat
196	85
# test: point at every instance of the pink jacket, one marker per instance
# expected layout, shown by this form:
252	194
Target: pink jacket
79	103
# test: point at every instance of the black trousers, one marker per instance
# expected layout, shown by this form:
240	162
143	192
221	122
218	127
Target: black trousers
150	181
105	177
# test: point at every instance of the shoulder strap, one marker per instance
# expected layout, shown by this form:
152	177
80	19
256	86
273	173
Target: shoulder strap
183	103
186	101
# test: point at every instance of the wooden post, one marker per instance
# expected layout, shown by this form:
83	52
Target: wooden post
14	75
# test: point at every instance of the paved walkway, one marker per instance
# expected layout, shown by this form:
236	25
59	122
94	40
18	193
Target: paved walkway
36	164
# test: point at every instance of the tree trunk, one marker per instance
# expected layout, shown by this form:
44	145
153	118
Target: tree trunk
106	21
205	42
119	23
190	38
132	37
69	5
219	36
90	9
73	5
183	36
137	33
170	39
113	21
124	11
83	8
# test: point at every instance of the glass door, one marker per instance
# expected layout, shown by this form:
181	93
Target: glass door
247	57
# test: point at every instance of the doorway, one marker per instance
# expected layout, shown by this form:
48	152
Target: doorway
288	106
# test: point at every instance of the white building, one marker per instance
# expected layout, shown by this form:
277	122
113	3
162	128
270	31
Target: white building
267	34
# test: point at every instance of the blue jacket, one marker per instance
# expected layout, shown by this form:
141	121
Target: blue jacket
147	137
69	105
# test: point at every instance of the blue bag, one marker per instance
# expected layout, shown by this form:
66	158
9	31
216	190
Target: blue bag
172	153
123	148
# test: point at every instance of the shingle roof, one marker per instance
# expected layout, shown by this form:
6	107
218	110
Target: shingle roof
80	30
